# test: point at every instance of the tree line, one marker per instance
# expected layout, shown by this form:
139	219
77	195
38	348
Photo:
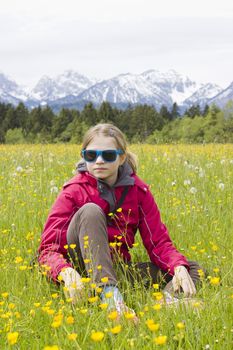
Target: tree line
141	123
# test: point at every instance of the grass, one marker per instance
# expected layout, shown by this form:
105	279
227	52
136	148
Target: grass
193	188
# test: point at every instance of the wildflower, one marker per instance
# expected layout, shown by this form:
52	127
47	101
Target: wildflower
157	307
103	306
113	315
85	279
156	286
193	190
36	304
72	246
129	315
214	281
83	311
152	326
72	336
201	273
18	259
104	279
52	347
216	270
66	246
187	182
87	261
180	325
97	336
158	295
119	210
160	340
5	295
108	295
54	295
93	299
214	247
70	320
54	189
221	186
19	169
110	214
12	337
99	267
116	329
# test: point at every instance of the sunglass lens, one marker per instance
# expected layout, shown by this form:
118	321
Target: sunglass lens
90	156
109	156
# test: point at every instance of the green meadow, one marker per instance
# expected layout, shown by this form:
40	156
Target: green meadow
193	187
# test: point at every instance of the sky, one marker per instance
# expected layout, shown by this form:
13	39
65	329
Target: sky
104	38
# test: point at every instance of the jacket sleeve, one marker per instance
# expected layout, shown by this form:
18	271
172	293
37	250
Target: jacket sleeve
155	236
51	251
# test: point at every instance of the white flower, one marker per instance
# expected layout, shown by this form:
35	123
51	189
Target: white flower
173	183
207	347
201	173
52	183
193	190
19	169
222	161
54	189
221	186
231	161
187	182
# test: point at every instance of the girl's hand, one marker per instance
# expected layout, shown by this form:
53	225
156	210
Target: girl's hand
73	283
182	279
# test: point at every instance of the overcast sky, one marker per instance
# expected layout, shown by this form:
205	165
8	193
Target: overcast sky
103	38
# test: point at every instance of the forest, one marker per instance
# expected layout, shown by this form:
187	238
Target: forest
140	123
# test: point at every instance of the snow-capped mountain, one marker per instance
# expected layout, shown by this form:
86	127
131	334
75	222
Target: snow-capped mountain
223	97
202	95
126	88
10	92
68	83
152	87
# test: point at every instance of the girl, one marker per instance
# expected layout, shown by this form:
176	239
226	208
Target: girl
95	218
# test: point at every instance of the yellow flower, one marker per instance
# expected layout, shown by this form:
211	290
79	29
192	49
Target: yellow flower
85	238
52	347
201	273
70	320
72	246
116	329
23	267
18	259
99	267
36	304
215	281
129	315
103	306
11	306
97	336
214	247
83	311
180	325
216	270
156	286
66	246
104	279
87	261
158	295
157	307
5	295
54	295
85	279
152	326
108	295
119	210
72	336
113	315
112	244
110	214
160	340
99	290
93	299
12	338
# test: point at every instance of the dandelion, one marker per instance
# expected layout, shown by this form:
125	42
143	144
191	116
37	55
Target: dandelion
157	307
97	336
52	347
19	169
214	281
156	286
129	315
103	306
18	259
93	299
180	325
193	190
104	279
221	186
152	326
5	295
113	315
54	189
158	295
160	340
72	246
108	295
83	311
116	329
72	336
12	337
70	320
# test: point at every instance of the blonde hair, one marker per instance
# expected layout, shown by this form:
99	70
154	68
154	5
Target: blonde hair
111	130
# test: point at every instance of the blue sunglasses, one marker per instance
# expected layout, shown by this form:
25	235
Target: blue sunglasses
108	155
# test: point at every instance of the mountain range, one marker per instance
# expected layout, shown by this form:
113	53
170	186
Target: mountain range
152	87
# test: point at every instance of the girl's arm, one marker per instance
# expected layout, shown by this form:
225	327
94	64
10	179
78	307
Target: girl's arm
155	235
52	254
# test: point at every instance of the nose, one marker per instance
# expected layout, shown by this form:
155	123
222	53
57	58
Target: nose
99	159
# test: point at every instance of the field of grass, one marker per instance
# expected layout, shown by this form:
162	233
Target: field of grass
193	187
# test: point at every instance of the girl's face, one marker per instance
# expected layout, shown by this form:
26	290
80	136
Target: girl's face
99	168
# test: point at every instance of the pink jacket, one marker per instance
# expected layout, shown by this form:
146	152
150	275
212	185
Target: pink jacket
139	211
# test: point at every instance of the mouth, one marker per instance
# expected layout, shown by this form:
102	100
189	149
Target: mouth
97	169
